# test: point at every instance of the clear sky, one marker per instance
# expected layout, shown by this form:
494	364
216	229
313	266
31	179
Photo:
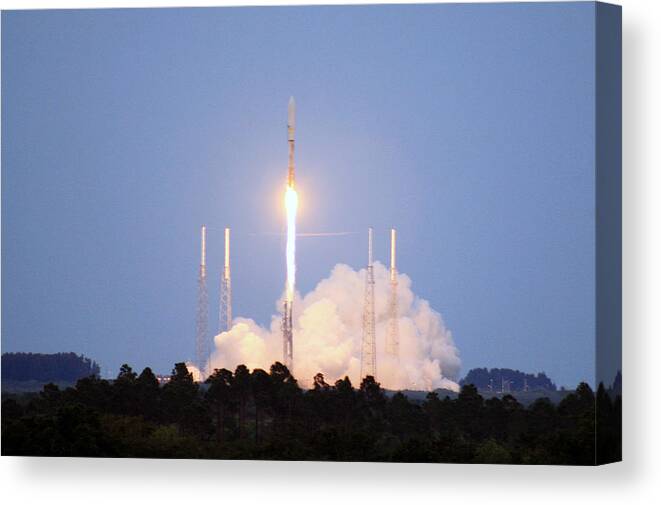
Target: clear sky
470	128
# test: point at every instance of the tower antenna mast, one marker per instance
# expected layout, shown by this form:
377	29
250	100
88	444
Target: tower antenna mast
392	341
226	289
368	354
202	320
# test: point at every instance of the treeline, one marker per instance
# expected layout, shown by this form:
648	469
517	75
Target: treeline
266	415
497	379
60	367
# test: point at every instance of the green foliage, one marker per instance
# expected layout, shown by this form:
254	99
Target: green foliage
491	452
219	395
266	415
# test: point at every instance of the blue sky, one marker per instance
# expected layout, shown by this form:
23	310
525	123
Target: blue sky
470	128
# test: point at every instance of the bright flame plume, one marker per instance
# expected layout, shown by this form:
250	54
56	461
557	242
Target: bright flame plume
291	205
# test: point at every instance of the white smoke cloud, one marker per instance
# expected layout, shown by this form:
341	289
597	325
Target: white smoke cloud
194	371
328	335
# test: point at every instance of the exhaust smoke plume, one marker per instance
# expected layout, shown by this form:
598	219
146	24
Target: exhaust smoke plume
328	331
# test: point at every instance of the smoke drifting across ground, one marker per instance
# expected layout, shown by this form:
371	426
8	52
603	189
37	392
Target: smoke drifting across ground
328	335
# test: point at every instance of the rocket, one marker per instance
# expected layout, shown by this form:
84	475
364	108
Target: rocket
291	202
291	126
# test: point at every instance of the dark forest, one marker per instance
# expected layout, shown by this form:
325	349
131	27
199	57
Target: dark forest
266	415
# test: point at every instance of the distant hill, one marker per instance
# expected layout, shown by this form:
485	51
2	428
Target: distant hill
36	367
524	398
507	380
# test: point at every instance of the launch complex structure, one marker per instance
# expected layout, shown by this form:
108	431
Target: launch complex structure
368	363
202	351
202	319
368	348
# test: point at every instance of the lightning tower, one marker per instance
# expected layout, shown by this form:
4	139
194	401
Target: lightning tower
201	348
226	289
368	354
291	204
392	340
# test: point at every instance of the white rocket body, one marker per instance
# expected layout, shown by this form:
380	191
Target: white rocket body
291	128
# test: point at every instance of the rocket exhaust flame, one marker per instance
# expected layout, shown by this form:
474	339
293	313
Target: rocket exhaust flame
291	206
308	234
